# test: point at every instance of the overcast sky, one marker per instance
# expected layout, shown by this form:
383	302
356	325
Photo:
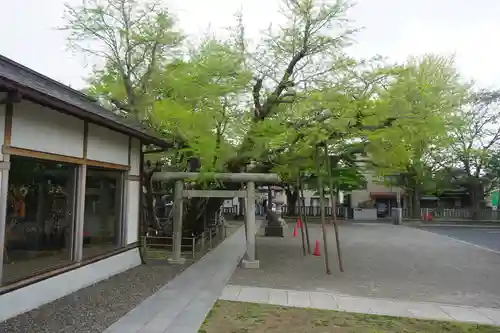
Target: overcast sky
393	28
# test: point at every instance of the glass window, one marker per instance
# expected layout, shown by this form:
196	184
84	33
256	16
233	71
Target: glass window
40	217
103	211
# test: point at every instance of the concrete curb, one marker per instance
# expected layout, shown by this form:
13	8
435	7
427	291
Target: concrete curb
377	306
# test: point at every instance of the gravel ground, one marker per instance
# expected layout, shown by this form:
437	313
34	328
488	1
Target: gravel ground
382	261
93	309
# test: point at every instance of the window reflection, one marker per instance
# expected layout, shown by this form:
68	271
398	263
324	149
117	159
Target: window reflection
103	202
39	222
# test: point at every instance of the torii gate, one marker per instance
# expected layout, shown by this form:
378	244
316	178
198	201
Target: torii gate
249	194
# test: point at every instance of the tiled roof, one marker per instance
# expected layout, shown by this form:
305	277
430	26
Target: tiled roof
32	84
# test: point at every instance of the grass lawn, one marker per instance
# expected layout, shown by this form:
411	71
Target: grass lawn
236	317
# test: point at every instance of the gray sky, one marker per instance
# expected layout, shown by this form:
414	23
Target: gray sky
393	28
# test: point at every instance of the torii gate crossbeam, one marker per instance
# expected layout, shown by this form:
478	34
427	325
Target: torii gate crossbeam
249	194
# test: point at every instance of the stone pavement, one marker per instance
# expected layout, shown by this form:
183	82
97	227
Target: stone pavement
182	305
339	302
381	261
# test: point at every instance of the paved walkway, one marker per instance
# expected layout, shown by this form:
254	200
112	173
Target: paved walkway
182	305
339	302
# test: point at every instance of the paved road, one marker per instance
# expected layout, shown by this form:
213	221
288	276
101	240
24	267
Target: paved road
488	237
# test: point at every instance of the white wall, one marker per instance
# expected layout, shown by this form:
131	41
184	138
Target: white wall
373	184
132	211
135	157
42	129
35	295
107	146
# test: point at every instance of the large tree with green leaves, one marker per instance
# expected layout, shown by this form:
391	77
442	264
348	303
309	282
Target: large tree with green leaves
426	94
230	108
129	41
476	144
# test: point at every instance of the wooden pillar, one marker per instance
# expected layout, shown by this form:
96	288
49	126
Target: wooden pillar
250	227
177	234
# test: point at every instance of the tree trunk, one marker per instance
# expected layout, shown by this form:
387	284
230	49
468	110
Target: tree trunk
476	195
291	200
150	218
415	203
197	210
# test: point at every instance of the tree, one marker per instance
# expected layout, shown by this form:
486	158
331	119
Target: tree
190	98
426	95
132	39
477	140
229	108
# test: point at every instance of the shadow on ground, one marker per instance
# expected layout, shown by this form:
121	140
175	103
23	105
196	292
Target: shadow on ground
382	261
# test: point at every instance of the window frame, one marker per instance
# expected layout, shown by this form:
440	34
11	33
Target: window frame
120	198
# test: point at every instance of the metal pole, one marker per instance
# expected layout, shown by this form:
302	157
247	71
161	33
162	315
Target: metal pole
322	210
193	251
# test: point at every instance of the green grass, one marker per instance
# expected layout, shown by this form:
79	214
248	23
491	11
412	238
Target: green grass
236	317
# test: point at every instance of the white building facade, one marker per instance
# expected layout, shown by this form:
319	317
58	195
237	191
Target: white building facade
69	190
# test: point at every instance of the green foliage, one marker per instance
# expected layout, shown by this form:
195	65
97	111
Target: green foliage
131	38
425	96
271	106
202	102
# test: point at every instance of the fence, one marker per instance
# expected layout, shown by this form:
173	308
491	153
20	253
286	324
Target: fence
343	212
453	213
230	210
436	213
162	246
346	213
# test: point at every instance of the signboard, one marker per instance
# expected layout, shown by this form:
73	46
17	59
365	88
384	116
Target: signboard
494	199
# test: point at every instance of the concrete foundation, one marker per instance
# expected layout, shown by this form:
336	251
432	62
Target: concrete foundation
275	226
275	231
250	263
179	261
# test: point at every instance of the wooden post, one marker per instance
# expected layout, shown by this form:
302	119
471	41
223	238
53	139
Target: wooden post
305	222
333	198
322	209
299	207
177	235
250	261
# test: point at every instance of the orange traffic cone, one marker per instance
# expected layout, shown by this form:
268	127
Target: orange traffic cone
294	232
317	253
298	223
